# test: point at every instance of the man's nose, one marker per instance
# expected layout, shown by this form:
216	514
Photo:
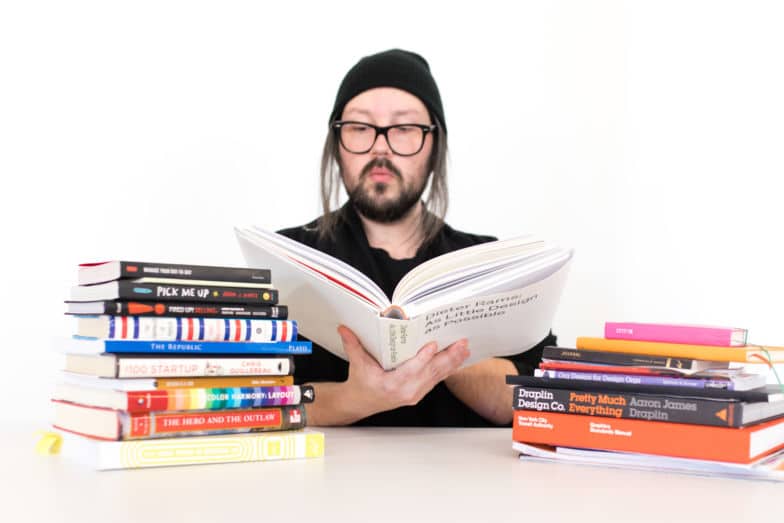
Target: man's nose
381	146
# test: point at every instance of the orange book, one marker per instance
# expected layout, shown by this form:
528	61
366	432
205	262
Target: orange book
736	445
745	354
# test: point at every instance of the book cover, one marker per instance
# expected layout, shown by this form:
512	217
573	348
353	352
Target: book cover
766	393
675	333
162	452
185	329
147	289
135	366
150	308
157	400
110	424
634	360
737	382
77	345
745	354
655	407
736	445
100	272
501	296
218	382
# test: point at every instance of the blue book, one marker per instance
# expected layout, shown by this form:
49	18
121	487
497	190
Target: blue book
84	345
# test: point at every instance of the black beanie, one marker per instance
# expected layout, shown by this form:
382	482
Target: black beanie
394	68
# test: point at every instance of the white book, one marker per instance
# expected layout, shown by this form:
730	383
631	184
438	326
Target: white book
501	296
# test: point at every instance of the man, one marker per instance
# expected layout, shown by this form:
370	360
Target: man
387	139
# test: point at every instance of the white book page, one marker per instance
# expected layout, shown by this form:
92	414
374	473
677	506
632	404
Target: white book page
470	259
318	304
322	262
499	324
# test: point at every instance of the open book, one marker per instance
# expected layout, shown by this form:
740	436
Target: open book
500	295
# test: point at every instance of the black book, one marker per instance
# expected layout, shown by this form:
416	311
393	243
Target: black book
91	273
184	309
652	407
153	289
767	393
630	360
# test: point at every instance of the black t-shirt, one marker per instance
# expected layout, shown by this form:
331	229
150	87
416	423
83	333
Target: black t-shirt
439	408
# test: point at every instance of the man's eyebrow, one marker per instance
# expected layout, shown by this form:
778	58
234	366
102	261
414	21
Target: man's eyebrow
402	112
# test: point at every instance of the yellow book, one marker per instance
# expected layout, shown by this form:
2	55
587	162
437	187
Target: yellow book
230	448
744	354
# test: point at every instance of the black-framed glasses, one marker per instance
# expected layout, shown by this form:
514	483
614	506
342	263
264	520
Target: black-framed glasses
405	139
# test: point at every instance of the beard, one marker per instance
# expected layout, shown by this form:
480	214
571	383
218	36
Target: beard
366	199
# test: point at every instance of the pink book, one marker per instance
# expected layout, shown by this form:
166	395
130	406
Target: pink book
666	333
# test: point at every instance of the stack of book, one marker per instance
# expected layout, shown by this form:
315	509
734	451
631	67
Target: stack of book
180	364
651	396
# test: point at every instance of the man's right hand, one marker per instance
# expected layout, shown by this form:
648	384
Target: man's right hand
370	389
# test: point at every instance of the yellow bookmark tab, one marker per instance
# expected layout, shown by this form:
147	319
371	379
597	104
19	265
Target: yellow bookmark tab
48	443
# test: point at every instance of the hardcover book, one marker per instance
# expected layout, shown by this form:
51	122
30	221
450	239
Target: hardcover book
149	308
735	445
157	400
211	382
739	381
78	345
654	407
766	393
636	360
501	296
90	273
135	366
157	289
674	333
744	354
160	452
185	329
109	424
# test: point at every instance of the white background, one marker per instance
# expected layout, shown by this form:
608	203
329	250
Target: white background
646	135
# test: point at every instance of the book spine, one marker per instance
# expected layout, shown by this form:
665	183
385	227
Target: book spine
197	329
616	358
204	347
265	446
637	379
202	423
556	383
130	290
197	367
630	406
138	308
677	350
643	436
217	398
214	383
686	334
193	272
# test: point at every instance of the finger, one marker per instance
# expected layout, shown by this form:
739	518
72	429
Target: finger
423	356
448	360
353	348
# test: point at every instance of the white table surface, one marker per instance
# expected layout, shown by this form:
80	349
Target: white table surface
372	474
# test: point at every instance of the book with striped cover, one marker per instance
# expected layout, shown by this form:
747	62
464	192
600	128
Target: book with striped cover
177	328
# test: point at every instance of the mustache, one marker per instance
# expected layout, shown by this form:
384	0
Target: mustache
382	163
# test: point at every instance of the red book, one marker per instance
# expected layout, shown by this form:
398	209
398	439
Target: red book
736	445
109	424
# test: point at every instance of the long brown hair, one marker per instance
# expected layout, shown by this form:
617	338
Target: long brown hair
436	203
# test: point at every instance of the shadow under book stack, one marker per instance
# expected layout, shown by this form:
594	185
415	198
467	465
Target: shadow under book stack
677	398
180	365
